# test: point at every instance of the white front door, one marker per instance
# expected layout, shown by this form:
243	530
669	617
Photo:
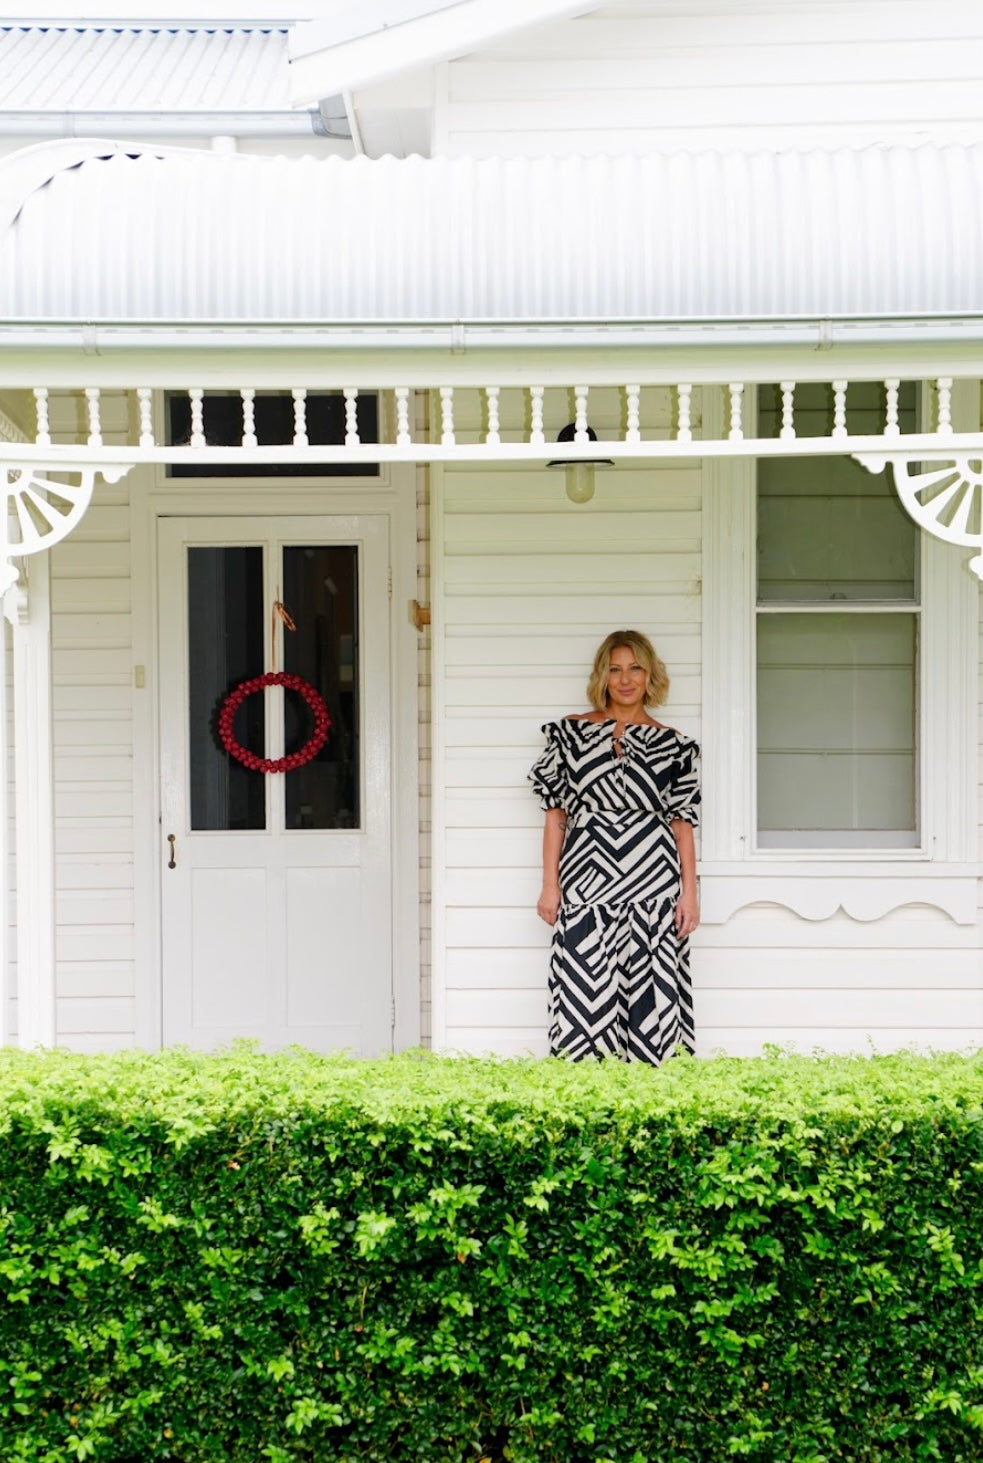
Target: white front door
276	887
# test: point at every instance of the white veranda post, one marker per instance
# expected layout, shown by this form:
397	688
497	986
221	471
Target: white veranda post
41	508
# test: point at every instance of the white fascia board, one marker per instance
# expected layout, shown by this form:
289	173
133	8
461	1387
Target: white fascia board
321	65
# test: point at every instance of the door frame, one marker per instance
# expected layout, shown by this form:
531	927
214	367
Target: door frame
152	496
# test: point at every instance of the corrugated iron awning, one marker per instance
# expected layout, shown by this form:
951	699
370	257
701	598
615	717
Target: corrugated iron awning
142	235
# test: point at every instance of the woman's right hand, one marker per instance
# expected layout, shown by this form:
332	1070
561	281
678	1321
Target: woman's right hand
549	903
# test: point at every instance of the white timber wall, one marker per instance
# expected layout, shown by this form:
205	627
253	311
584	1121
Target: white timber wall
525	586
8	911
644	75
92	695
424	691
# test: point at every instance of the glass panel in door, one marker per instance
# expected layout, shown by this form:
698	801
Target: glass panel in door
320	590
226	625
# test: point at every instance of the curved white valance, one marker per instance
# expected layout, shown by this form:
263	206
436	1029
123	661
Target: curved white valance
107	234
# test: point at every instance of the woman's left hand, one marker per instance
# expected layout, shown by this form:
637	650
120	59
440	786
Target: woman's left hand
687	914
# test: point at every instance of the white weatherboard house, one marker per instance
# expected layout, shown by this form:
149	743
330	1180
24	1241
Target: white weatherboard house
294	310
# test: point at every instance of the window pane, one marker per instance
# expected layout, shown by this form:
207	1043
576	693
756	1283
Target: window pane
836	722
225	645
320	589
828	529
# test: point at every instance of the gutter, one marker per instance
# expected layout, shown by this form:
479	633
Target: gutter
174	124
461	337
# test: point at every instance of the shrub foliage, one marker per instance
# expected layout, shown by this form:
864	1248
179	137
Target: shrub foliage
300	1260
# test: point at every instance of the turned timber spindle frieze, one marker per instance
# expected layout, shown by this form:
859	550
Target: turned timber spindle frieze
937	469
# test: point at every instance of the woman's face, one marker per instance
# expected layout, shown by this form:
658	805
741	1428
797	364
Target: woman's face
626	681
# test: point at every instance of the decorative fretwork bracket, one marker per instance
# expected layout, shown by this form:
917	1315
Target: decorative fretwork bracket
943	496
42	509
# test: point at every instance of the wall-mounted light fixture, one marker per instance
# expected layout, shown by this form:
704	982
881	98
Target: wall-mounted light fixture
579	475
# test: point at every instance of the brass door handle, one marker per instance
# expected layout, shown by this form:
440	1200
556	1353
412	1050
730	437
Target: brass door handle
172	861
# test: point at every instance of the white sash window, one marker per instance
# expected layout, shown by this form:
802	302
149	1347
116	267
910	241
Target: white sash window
837	638
840	681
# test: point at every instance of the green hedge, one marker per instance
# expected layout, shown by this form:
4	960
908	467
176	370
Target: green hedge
262	1260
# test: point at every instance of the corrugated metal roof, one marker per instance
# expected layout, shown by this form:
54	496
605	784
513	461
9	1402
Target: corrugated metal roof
184	236
144	68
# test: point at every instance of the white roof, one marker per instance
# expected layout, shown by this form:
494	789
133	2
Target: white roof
341	21
356	42
97	234
144	68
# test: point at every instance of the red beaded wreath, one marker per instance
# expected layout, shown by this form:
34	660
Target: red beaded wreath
255	763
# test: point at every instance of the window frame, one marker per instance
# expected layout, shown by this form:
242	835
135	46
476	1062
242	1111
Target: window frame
942	868
806	840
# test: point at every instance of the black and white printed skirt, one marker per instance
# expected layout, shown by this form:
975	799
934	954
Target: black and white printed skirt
619	974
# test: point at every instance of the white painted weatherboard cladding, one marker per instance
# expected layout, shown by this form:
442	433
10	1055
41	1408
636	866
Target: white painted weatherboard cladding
910	979
361	43
526	584
650	75
529	583
93	751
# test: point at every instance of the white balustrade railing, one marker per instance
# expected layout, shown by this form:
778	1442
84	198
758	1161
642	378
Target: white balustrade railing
645	428
43	437
299	394
938	468
249	438
493	435
197	396
351	417
736	392
145	400
788	411
684	398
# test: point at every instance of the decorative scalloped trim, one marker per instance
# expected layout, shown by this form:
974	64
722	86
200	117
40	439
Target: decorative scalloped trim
820	898
43	508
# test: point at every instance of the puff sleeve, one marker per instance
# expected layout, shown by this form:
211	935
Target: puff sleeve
682	798
548	773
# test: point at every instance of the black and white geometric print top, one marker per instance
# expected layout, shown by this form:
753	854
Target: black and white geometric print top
581	772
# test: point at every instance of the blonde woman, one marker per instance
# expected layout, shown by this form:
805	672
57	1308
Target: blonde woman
621	793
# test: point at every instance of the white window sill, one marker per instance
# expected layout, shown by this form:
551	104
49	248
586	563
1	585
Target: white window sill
866	845
816	885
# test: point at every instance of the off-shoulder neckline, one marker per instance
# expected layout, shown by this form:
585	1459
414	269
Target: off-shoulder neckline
608	721
613	721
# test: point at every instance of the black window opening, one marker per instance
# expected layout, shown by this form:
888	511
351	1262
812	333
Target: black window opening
274	426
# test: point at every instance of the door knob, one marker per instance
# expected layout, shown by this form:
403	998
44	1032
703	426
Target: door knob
172	861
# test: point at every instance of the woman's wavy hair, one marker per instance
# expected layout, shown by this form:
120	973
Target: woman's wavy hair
641	647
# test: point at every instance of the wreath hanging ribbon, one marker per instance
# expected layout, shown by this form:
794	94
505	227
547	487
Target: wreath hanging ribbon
289	682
